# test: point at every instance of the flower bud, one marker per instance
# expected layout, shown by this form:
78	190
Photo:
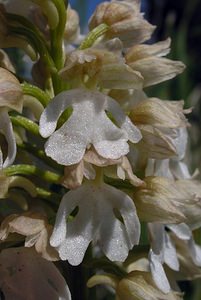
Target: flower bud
161	124
158	201
136	285
147	60
139	285
10	91
72	29
166	201
124	20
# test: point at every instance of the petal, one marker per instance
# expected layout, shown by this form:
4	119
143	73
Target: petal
123	121
156	69
158	273
182	231
170	254
119	76
156	233
142	51
67	145
195	251
68	203
180	142
73	237
109	140
7	129
53	111
112	149
158	167
118	237
180	170
79	234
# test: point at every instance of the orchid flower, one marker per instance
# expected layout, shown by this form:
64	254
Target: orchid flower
95	221
87	125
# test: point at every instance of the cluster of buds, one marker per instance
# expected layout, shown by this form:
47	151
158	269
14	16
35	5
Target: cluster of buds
89	163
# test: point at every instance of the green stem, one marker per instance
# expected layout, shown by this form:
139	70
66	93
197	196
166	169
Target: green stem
57	45
32	170
57	35
93	36
32	90
25	123
41	155
51	197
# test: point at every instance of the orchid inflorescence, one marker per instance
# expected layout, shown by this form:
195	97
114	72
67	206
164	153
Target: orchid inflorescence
93	171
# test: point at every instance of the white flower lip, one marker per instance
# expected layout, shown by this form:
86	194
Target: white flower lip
95	220
88	125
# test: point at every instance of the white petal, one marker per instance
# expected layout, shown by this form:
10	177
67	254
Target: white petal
158	167
72	238
88	124
79	232
158	273
170	254
7	129
157	236
182	231
67	145
68	203
180	170
133	133
95	220
195	252
53	111
112	149
162	245
117	238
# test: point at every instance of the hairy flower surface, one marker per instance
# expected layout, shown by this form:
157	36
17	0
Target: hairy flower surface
105	215
87	125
